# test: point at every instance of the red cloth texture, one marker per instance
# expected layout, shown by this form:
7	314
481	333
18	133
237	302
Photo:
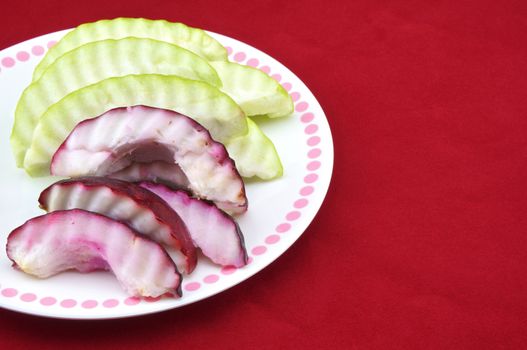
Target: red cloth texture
421	241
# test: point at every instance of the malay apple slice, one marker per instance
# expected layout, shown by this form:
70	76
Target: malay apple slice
156	171
213	231
86	241
255	91
202	102
144	211
193	39
123	136
96	61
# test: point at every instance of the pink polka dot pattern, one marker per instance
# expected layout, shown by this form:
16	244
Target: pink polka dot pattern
307	190
311	129
309	179
51	44
37	50
292	215
265	69
89	304
300	203
192	286
229	50
239	56
253	62
287	86
314	153
28	297
211	279
132	301
272	239
68	303
284	227
314	165
307	117
228	270
8	62
276	77
313	141
301	106
259	250
110	303
9	292
48	301
295	96
22	56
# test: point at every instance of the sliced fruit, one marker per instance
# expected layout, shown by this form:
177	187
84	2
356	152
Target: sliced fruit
193	39
256	92
96	61
140	209
255	154
157	171
204	103
85	241
122	136
212	230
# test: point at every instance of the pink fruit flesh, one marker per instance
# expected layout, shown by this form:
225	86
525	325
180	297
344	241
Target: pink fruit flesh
144	211
212	230
85	241
124	136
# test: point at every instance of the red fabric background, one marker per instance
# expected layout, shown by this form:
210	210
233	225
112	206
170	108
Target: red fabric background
421	242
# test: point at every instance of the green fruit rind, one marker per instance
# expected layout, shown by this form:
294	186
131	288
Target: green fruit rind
193	39
96	61
204	103
254	91
255	154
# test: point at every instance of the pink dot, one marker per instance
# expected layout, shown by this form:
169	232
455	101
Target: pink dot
132	301
313	141
152	299
265	69
276	77
250	260
239	56
314	153
110	303
287	86
259	250
89	304
293	215
48	301
306	191
192	286
8	62
314	165
311	129
228	270
9	292
211	278
229	50
295	96
22	56
272	239
253	62
37	50
28	297
307	117
300	203
310	178
283	227
302	106
68	303
51	44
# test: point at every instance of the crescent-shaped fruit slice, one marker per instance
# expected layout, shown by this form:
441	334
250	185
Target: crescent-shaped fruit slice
213	231
85	241
142	210
256	92
193	39
200	101
120	137
96	61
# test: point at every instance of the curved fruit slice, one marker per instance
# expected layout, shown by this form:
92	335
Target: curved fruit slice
255	92
255	154
85	241
157	171
96	61
216	233
144	212
120	137
193	39
202	102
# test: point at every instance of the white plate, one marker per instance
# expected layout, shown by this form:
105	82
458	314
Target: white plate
279	210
